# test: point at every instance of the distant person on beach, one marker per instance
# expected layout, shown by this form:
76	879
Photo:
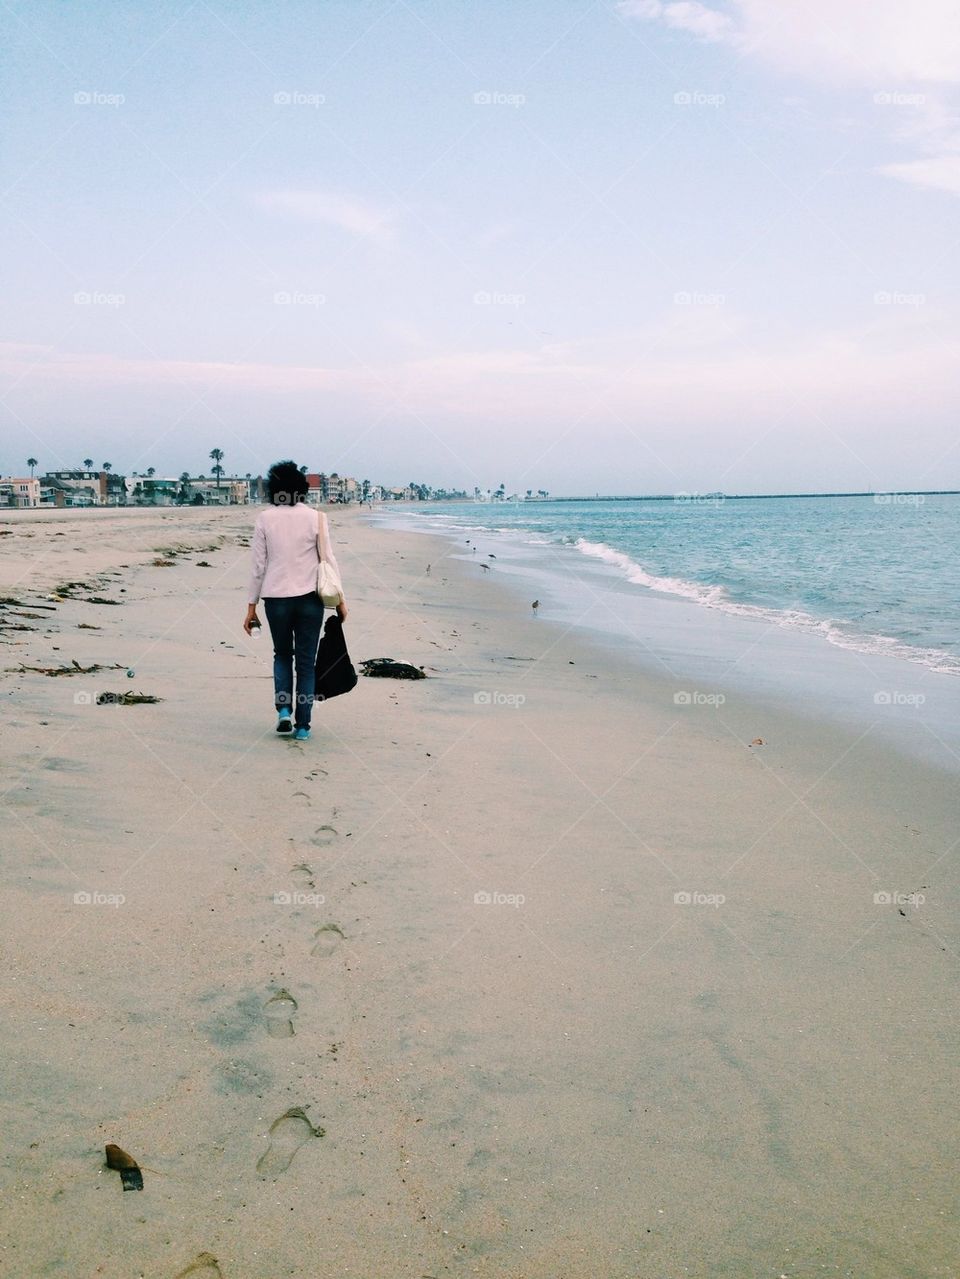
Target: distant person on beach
284	574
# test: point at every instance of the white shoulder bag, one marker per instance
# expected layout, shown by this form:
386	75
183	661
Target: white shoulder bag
329	587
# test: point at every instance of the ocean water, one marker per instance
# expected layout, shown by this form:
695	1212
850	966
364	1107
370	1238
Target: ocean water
876	575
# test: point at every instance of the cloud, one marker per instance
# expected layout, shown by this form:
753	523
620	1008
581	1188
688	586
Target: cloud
682	15
333	209
884	46
940	173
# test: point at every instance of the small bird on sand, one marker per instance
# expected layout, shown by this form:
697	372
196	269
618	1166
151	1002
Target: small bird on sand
485	567
428	568
535	605
490	555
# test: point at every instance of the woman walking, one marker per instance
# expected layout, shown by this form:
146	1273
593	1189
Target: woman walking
288	539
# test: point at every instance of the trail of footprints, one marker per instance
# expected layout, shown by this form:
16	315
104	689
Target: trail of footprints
294	1128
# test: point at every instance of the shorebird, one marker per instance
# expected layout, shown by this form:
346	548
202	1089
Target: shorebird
428	568
490	555
485	567
535	605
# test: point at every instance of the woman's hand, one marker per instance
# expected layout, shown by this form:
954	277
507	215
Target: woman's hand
342	609
251	620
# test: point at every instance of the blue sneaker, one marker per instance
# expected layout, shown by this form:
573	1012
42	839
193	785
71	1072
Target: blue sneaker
301	735
285	723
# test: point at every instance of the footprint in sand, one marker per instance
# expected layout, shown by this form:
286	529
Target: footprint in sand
328	938
287	1135
323	836
205	1266
308	872
278	1013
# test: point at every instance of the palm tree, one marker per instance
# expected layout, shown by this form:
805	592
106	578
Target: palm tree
107	466
151	472
87	463
31	462
216	456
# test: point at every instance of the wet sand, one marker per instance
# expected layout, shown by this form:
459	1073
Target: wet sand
675	1034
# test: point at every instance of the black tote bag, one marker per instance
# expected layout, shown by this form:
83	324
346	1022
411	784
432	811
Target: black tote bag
335	673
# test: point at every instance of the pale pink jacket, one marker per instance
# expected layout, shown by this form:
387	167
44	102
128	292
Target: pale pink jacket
284	546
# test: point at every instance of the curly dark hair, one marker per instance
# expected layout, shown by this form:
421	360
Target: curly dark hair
286	484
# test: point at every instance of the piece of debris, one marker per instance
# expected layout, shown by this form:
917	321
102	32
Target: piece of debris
203	564
158	563
387	668
75	669
131	1178
758	741
98	599
129	698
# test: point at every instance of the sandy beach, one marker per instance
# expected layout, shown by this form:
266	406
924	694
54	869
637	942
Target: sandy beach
580	983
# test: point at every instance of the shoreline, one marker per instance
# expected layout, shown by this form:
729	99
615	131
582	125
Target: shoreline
915	707
598	1079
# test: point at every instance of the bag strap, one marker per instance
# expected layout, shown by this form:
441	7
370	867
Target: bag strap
319	531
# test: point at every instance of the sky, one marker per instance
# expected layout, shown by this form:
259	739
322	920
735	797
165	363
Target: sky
645	246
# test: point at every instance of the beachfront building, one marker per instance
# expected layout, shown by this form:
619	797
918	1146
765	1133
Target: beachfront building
229	492
150	490
20	493
84	488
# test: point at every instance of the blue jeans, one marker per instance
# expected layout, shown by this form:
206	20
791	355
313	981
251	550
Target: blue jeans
295	623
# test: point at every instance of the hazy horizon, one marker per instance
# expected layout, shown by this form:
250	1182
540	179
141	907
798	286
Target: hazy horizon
630	248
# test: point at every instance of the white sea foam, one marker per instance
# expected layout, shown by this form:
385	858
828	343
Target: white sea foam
835	632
